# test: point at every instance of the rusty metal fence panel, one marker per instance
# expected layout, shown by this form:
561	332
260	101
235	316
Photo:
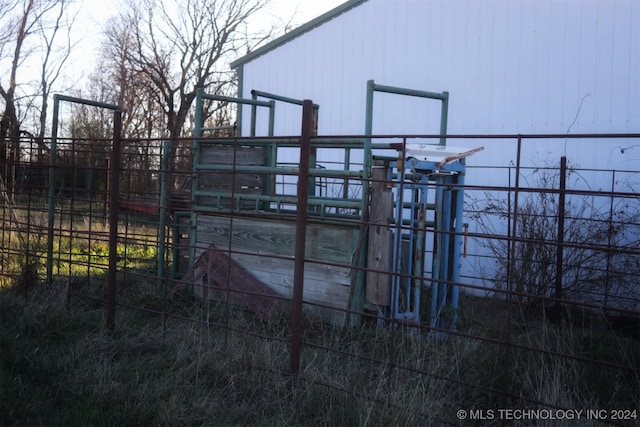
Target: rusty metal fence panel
550	274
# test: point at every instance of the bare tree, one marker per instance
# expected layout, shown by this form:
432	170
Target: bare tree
15	30
28	28
54	57
175	47
127	86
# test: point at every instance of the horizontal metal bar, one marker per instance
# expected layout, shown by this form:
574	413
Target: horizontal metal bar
408	205
278	199
279	98
269	170
406	223
320	142
86	102
219	127
409	92
248	142
284	142
233	100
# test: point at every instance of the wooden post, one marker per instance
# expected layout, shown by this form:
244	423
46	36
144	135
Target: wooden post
380	240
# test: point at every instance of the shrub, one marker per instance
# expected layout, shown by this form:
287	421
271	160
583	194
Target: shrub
599	264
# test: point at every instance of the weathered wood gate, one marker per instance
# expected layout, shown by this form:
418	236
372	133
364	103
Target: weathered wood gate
236	211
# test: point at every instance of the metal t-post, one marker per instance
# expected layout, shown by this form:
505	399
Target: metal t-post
301	235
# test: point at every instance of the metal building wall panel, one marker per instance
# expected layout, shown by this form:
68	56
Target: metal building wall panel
519	66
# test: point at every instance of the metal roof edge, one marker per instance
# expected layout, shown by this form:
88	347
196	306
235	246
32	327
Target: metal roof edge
297	32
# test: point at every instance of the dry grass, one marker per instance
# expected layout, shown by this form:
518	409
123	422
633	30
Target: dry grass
60	367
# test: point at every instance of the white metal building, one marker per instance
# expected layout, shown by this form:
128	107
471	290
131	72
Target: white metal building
517	66
510	67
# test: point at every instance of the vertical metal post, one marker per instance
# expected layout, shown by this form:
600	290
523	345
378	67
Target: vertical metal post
368	129
358	294
198	122
368	121
195	150
560	247
440	253
240	80
411	249
164	210
301	235
346	166
396	279
455	276
272	117
419	255
271	151
444	115
252	125
511	272
514	226
52	191
254	113
607	277
113	220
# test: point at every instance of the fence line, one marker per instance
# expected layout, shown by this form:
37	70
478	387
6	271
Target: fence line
551	264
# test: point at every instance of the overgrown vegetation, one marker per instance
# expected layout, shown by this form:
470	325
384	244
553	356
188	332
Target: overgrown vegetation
80	247
58	366
600	234
183	362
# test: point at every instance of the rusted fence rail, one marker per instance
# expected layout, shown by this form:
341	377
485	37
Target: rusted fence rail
550	264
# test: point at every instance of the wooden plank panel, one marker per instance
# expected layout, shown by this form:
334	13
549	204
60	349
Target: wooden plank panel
331	243
378	285
248	235
225	155
217	181
279	271
324	242
228	182
324	284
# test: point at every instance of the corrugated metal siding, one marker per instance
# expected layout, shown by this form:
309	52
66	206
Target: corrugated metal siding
517	66
513	66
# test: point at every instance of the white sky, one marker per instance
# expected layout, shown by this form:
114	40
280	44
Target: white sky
94	13
304	10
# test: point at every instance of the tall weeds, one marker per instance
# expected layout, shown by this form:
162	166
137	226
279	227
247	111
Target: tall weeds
217	365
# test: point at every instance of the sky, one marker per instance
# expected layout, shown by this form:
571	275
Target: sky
93	13
304	10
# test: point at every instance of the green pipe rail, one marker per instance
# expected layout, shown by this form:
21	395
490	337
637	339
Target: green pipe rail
269	199
57	98
201	96
113	194
278	170
209	195
372	87
257	93
314	120
259	200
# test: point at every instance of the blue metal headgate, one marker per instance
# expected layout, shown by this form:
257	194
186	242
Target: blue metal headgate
428	220
429	179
